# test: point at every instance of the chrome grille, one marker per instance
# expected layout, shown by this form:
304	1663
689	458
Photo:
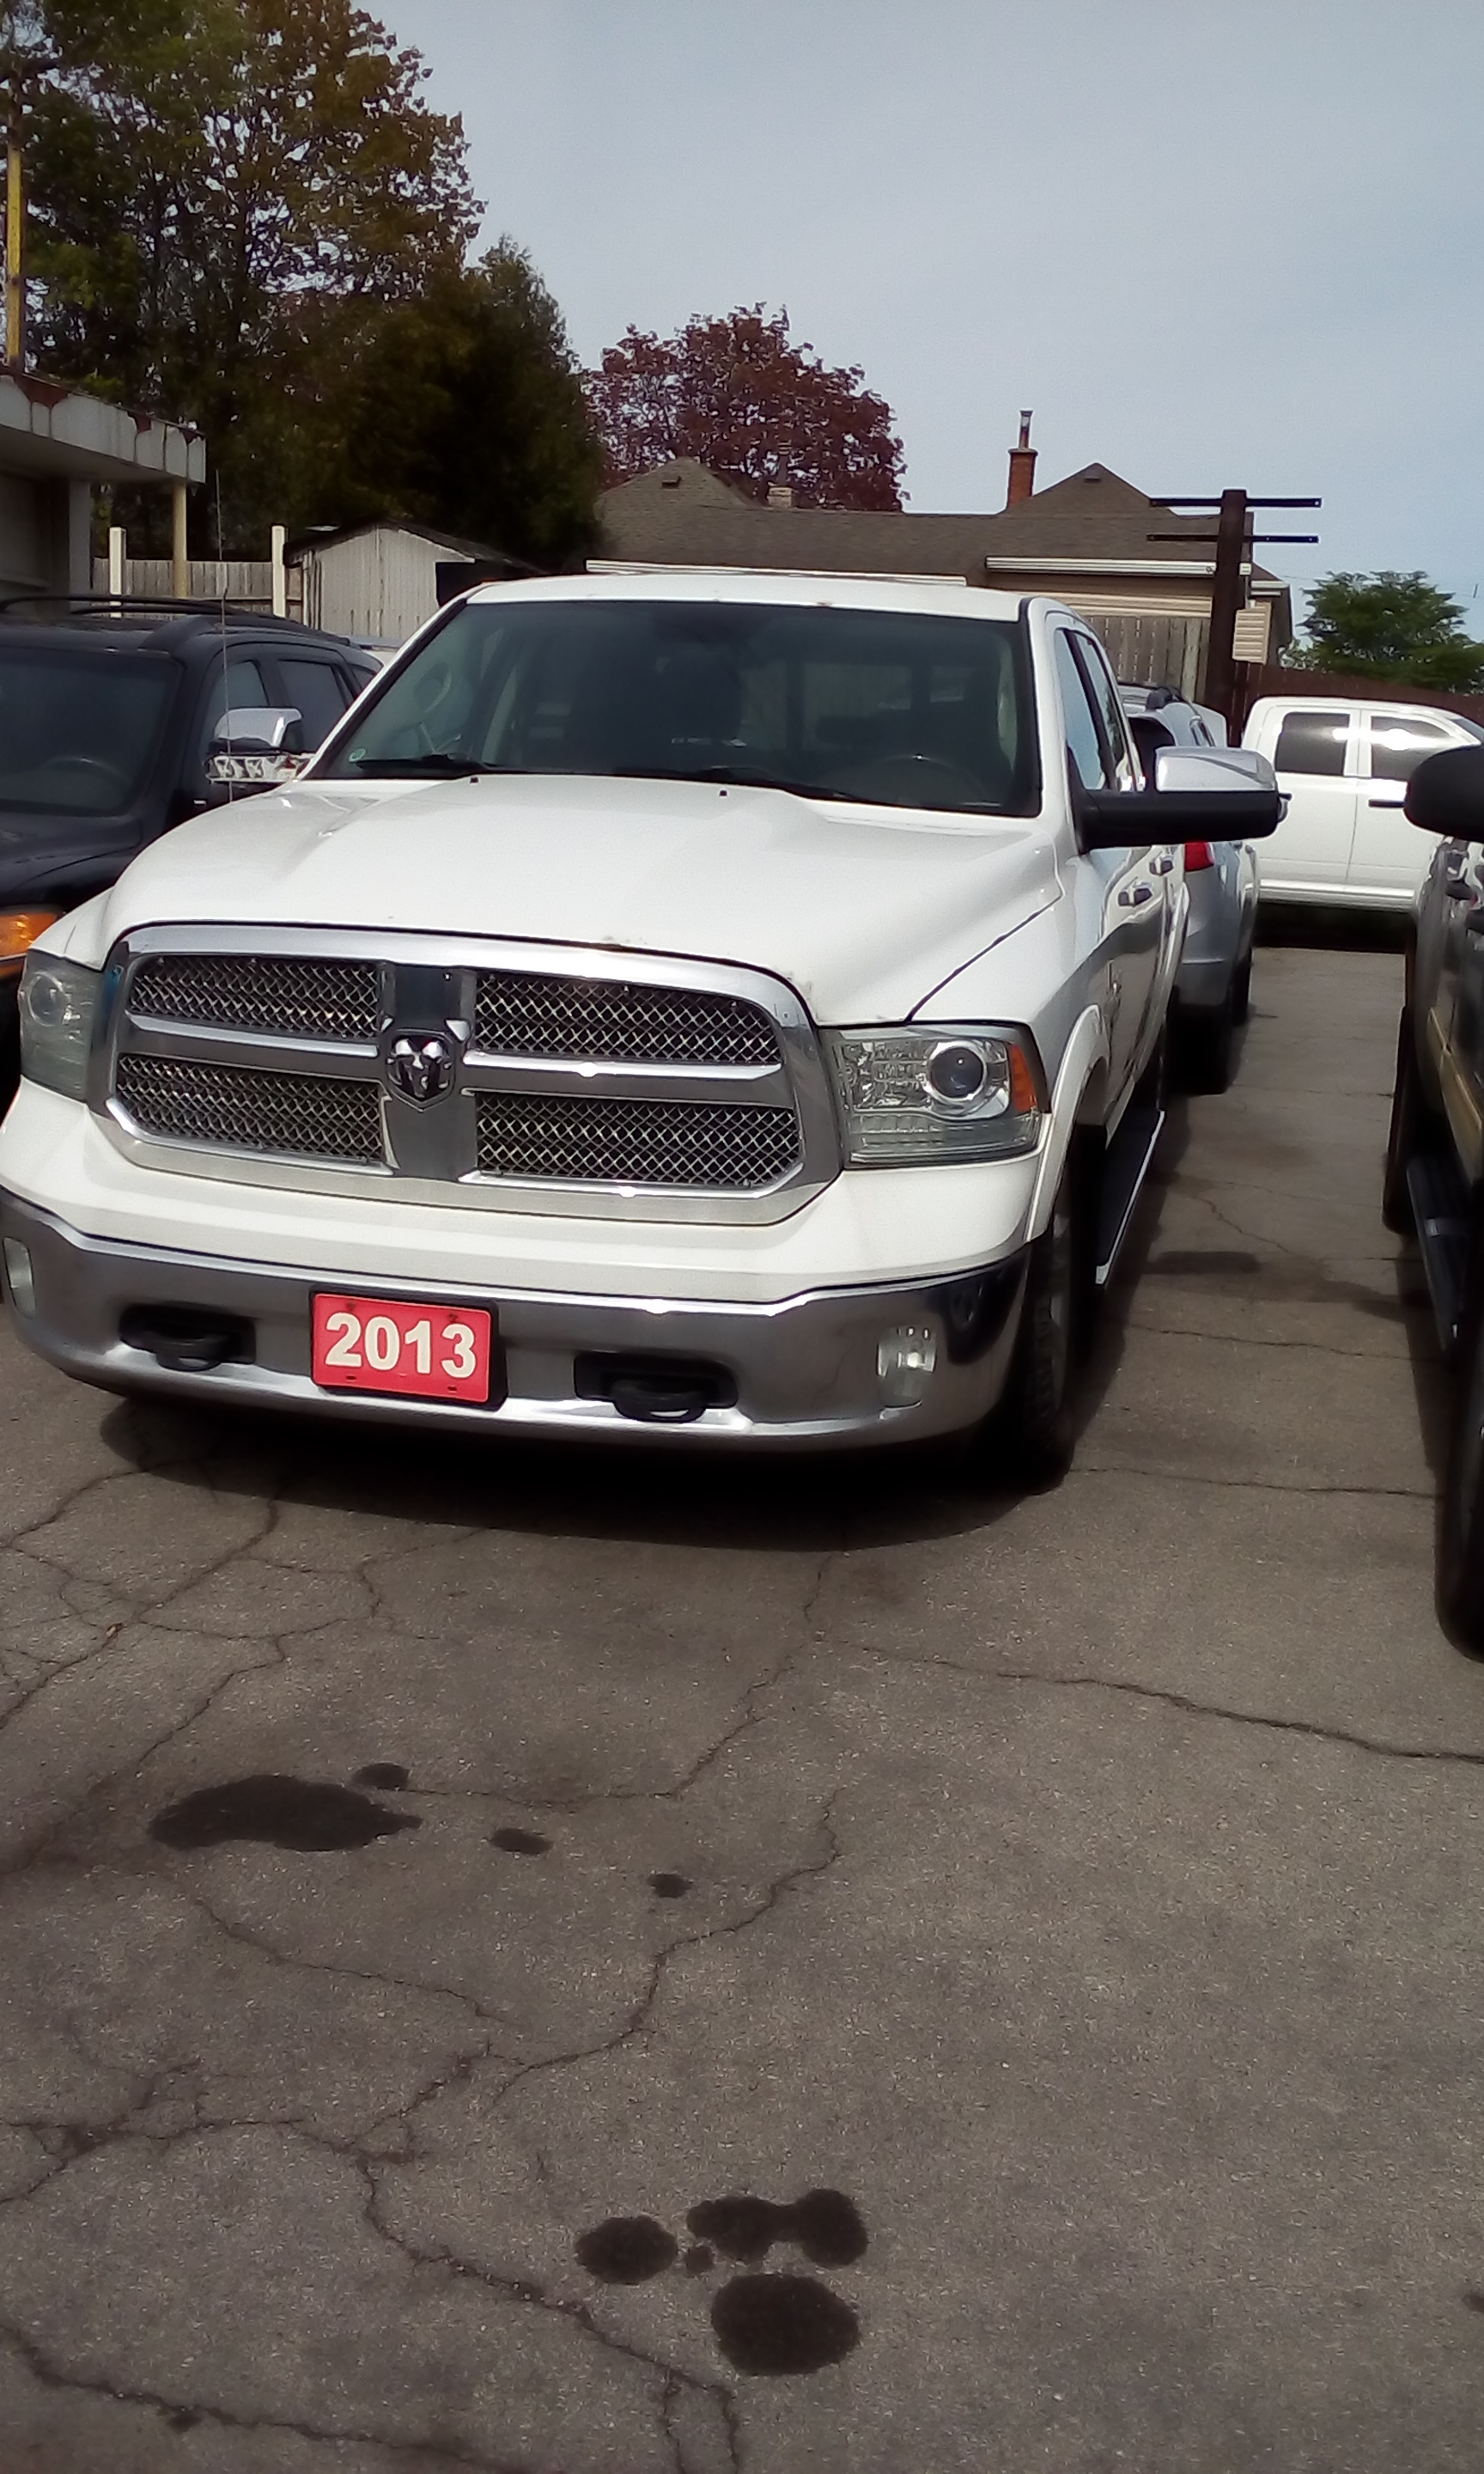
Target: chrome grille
293	1115
522	1014
597	1082
296	998
635	1142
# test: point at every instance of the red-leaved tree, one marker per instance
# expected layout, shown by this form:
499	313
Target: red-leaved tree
738	395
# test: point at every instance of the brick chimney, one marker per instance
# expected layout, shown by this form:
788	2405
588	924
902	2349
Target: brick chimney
1023	465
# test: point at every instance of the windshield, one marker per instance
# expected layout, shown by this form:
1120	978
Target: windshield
896	708
78	730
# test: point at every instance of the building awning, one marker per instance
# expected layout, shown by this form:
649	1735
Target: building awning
58	432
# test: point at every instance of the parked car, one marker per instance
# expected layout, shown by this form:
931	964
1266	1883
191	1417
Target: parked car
1213	989
1345	766
757	1032
107	721
1434	1180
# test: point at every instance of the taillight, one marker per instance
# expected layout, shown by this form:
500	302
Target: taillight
1198	854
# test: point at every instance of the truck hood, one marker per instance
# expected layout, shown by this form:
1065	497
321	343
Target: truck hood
864	911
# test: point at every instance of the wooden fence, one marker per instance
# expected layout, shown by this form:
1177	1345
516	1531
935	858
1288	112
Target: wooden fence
241	580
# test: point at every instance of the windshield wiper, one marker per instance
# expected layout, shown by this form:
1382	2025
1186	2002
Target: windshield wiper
439	763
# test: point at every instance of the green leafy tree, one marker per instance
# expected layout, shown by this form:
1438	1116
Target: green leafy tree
465	409
225	196
1389	626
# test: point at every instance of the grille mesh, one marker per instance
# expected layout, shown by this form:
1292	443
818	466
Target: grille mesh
634	1142
308	999
520	1013
295	1115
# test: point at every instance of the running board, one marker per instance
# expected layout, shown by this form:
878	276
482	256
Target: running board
1124	1171
1440	1208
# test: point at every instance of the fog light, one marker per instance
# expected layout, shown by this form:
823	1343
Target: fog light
18	1273
906	1359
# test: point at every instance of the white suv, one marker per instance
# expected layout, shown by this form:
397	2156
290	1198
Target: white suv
723	1003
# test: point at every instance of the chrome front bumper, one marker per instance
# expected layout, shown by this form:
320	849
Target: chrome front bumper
805	1370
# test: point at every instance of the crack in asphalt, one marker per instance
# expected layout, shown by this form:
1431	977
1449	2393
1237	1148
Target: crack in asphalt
637	2019
1443	1756
52	2377
573	2314
1086	1469
417	1987
1248	1340
71	2143
127	2128
749	1716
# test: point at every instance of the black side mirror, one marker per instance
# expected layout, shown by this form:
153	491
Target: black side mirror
1446	794
1216	794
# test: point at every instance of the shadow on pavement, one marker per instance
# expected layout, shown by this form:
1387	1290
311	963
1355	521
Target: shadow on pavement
660	1495
1333	926
803	1502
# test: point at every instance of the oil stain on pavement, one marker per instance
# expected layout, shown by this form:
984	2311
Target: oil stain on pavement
309	1817
826	2226
627	2250
766	2326
773	2326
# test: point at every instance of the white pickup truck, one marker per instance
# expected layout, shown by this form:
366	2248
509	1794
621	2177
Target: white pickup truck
720	1004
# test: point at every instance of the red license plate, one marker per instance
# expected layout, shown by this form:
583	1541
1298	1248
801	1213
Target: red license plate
382	1345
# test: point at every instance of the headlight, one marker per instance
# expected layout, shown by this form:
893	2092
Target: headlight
935	1093
58	1003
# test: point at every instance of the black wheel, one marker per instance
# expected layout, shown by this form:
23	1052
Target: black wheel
1031	1434
1206	1041
1241	992
1413	1129
1461	1530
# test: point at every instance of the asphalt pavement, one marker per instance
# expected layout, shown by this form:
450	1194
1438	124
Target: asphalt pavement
442	1885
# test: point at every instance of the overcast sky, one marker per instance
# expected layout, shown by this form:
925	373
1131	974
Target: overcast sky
1211	242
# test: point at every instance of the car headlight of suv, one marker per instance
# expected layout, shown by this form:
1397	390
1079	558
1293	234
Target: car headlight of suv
941	1091
58	1001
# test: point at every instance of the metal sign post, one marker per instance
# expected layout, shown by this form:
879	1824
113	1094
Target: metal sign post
15	249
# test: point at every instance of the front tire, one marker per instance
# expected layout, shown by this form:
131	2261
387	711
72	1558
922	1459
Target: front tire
1206	1041
1460	1584
1032	1434
1412	1130
1241	992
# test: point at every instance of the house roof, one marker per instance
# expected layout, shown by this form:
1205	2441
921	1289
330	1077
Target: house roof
50	430
329	537
681	514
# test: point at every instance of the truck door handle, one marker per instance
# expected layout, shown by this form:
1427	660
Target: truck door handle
1385	803
1160	864
1134	894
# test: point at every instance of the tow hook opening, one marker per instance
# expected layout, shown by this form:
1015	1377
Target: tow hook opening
656	1389
187	1340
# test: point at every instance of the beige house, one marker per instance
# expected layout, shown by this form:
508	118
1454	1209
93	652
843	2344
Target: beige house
1084	541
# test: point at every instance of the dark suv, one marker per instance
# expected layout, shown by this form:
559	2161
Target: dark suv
1434	1185
107	717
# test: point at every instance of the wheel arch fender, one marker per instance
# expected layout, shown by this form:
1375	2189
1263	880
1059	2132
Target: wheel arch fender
1077	1100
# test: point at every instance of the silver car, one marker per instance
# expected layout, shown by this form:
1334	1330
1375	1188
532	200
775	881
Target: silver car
1213	992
